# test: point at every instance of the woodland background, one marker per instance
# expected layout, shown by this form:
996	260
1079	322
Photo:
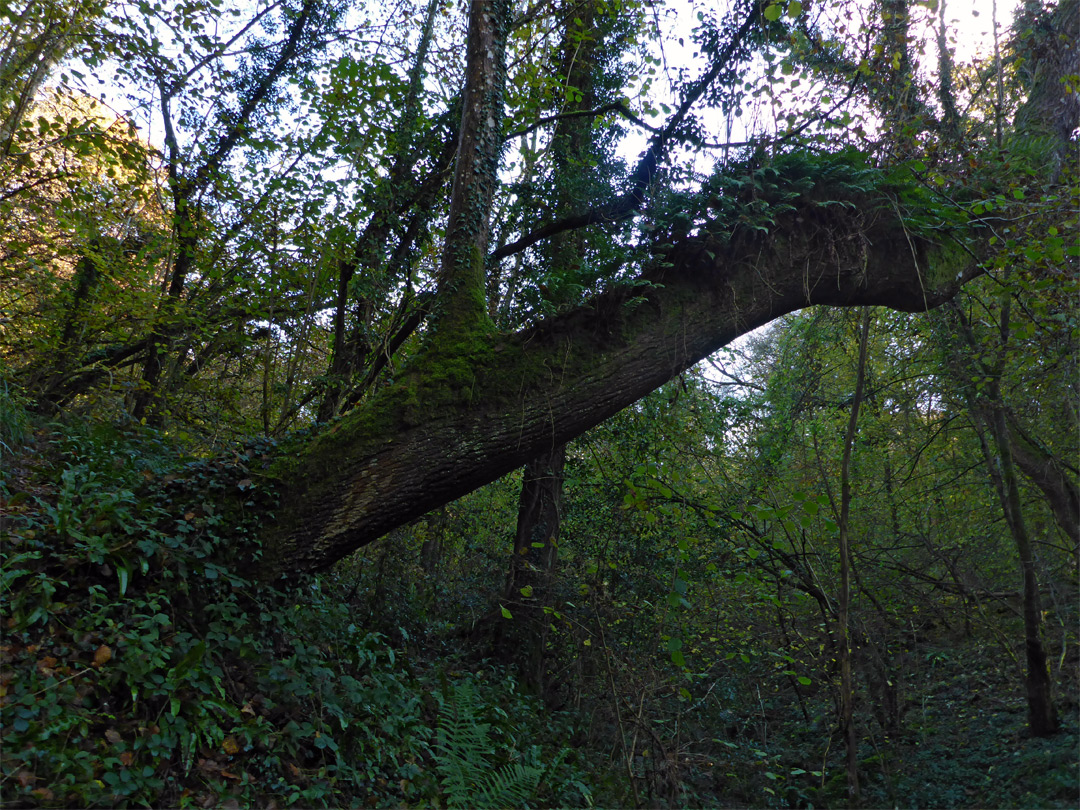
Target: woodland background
255	257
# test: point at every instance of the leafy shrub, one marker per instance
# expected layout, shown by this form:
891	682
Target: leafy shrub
140	669
142	666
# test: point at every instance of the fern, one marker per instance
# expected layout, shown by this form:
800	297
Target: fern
463	756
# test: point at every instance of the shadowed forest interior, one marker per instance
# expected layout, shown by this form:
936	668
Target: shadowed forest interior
563	403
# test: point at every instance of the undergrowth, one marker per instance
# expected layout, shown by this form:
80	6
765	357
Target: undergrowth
143	666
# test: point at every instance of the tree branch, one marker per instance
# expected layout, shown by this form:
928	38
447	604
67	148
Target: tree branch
631	201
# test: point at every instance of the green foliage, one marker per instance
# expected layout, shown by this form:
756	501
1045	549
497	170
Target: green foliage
14	420
142	668
691	654
464	759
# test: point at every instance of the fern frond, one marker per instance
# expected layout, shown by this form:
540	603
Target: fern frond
463	757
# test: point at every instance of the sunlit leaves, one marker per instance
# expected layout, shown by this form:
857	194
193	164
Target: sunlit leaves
773	11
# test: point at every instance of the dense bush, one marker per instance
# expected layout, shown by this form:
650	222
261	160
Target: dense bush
140	669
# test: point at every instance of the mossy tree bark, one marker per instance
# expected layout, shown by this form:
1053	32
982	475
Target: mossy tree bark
474	404
463	413
462	304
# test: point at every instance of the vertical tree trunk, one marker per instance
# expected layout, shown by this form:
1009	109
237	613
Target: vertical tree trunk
990	410
1041	714
536	548
462	288
847	689
532	565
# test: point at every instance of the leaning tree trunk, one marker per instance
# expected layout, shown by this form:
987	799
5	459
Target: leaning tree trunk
1050	475
463	412
474	404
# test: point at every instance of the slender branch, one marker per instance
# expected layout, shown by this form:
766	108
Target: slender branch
631	201
229	140
615	106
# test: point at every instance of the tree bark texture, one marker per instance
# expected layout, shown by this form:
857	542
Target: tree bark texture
536	548
461	415
462	288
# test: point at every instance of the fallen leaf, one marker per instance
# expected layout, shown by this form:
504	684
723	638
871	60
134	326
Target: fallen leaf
230	746
127	757
113	736
24	777
44	794
102	656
